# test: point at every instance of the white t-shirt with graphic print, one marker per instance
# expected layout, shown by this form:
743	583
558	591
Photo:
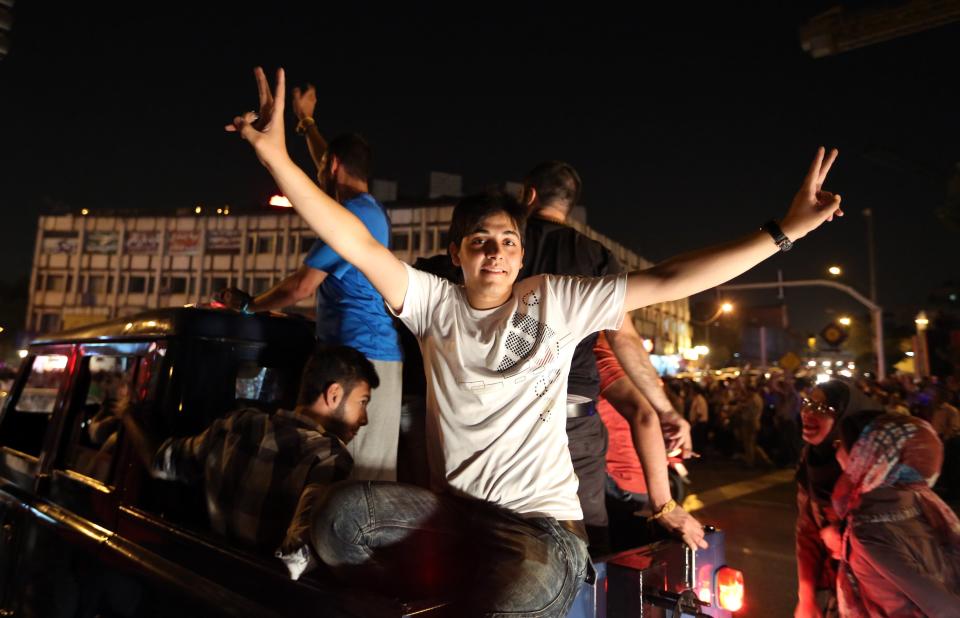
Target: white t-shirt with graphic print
497	385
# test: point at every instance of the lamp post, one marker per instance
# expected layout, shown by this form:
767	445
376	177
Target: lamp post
835	271
871	253
921	356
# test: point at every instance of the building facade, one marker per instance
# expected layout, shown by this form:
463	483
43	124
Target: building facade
92	267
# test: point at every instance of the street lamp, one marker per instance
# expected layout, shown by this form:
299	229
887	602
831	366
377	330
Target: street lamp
845	321
724	307
922	354
836	271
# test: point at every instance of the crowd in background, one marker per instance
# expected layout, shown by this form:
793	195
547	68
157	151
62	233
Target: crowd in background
756	417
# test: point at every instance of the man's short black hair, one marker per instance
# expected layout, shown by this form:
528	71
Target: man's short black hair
328	364
354	154
470	212
557	184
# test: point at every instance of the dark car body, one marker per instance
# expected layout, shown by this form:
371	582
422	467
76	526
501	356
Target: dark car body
86	531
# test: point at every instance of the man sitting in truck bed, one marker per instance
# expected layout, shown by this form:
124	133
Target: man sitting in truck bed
262	472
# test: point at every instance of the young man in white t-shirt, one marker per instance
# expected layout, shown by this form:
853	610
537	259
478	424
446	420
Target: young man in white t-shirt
503	521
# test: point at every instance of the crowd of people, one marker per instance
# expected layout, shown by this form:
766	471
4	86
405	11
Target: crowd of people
876	464
520	363
756	418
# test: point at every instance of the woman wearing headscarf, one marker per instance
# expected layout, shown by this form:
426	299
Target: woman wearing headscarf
817	473
901	542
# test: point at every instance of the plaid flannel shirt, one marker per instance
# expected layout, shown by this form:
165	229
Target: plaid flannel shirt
255	467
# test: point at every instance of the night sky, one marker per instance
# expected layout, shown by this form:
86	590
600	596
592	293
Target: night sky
688	128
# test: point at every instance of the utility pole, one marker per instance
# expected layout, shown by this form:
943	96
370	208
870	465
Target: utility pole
872	254
877	316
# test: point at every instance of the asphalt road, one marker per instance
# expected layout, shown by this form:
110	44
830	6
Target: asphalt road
757	510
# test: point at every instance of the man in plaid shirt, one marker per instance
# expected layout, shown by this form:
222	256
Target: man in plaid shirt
262	473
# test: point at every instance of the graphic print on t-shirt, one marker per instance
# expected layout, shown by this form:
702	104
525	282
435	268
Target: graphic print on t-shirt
525	335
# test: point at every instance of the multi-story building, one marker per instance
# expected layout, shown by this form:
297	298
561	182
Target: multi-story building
92	266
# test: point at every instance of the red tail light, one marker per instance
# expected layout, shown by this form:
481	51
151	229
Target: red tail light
729	589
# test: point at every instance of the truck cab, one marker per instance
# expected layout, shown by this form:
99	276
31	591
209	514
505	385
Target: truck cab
86	531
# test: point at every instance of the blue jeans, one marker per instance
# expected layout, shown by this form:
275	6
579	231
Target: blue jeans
412	543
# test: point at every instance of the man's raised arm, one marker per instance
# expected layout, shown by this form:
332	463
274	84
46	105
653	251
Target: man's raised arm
340	229
693	272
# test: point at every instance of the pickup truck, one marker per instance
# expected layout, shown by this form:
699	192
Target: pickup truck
85	531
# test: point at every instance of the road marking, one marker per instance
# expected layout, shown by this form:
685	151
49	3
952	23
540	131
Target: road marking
769	504
711	497
765	553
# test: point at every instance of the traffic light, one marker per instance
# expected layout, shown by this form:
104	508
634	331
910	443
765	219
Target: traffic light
6	24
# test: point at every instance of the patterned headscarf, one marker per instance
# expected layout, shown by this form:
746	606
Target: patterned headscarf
897	451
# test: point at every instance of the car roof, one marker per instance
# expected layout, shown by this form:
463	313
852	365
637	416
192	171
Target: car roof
188	322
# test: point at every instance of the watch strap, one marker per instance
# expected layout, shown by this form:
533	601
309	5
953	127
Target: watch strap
773	228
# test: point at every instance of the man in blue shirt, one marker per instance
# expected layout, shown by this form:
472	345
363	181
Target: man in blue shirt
349	310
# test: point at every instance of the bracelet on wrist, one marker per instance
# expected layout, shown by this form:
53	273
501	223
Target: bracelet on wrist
304	124
666	509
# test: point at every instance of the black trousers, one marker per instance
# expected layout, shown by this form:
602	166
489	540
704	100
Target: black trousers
587	441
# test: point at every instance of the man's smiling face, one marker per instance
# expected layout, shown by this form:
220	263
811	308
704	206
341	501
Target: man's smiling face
491	257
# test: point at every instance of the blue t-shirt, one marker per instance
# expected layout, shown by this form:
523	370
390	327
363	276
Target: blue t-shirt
349	310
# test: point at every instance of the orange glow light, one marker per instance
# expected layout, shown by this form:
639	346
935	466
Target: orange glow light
730	589
279	200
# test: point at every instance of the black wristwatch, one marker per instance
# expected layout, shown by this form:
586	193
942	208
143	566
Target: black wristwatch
773	228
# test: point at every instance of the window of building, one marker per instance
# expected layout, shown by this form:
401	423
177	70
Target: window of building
415	244
219	283
97	284
279	244
25	421
306	242
92	426
174	285
250	245
56	283
38	286
260	285
264	244
400	241
444	240
49	322
136	284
